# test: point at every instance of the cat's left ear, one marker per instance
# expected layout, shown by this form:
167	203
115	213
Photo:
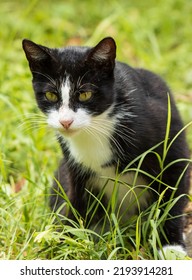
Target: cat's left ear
104	53
38	56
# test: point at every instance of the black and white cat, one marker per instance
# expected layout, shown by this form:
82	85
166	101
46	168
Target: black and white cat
106	115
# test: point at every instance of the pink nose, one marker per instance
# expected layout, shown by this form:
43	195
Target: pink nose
66	123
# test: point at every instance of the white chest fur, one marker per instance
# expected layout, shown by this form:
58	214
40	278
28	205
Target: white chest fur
92	146
92	151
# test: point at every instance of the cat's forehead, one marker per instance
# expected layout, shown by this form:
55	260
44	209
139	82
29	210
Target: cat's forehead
72	55
72	61
74	50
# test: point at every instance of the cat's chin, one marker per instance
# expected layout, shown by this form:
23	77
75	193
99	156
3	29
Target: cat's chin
69	132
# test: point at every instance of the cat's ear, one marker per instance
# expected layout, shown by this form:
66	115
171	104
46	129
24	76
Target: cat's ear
37	55
103	53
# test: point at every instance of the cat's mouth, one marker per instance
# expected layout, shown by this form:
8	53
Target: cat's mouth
69	132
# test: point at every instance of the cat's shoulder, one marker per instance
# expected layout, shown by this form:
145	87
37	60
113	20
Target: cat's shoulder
145	81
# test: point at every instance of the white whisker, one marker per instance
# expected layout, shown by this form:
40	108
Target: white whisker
102	127
32	121
79	81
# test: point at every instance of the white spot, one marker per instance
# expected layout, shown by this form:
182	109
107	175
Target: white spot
172	252
65	90
53	119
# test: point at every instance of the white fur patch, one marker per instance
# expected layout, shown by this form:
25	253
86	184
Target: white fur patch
65	90
172	252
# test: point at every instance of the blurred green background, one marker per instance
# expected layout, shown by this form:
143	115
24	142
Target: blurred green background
156	35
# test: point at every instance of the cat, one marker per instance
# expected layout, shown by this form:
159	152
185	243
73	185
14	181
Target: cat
107	114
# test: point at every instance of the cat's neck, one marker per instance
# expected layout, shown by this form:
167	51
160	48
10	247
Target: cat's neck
92	147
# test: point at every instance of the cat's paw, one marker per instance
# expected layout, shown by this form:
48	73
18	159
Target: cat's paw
172	252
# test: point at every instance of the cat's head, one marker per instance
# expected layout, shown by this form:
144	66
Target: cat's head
73	84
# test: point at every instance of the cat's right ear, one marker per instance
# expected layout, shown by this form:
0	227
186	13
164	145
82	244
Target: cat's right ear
103	54
37	55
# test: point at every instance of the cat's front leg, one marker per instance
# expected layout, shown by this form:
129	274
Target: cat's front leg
60	189
68	196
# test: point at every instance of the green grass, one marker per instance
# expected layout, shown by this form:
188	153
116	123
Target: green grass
150	35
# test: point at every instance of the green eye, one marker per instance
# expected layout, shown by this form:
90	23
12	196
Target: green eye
52	97
84	96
